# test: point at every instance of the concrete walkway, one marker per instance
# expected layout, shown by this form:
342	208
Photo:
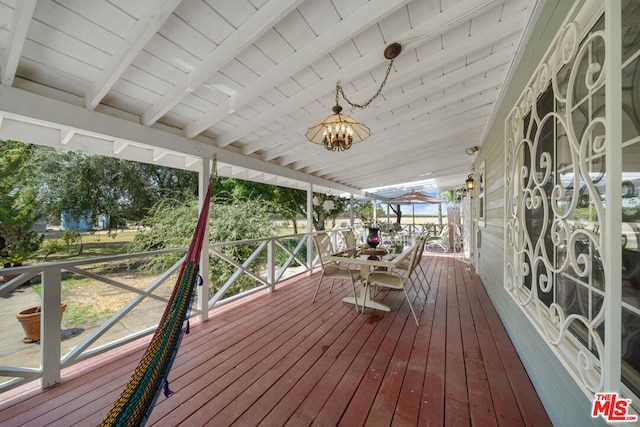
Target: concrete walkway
13	352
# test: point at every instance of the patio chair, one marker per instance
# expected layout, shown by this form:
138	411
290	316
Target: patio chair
441	242
420	276
394	280
331	269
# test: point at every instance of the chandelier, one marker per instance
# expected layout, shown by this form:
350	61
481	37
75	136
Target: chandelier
338	132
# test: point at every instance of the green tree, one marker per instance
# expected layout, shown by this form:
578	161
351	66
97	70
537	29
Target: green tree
171	225
19	208
82	184
363	210
325	207
285	202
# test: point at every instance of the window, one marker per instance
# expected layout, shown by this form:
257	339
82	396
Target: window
555	200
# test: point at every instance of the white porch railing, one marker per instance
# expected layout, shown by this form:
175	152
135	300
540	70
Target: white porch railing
272	261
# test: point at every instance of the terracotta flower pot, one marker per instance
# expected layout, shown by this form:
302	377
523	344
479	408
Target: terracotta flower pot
30	321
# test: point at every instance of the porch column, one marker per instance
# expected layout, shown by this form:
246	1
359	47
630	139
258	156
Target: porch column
375	210
203	291
352	214
309	227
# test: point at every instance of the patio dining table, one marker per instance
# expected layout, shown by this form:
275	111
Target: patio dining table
366	261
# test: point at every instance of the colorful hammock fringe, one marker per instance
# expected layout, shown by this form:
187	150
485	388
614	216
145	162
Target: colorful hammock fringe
135	403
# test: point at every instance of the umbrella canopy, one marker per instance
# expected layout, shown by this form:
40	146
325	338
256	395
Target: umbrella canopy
415	198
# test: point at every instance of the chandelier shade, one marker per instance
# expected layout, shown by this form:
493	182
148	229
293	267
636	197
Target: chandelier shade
338	131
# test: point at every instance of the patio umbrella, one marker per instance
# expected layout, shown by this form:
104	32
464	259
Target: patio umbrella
416	198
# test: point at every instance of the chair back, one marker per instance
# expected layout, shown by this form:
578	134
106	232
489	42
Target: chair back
414	258
422	240
323	246
349	238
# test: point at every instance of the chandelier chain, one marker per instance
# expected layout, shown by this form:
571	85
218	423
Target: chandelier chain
339	90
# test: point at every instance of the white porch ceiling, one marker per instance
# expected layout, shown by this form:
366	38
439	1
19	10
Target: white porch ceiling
175	81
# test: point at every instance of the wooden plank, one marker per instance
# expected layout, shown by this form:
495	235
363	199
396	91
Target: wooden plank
504	402
531	409
408	407
456	398
481	410
386	399
432	401
306	349
289	391
223	371
332	394
359	406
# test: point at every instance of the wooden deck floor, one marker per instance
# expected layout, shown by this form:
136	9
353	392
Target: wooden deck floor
279	359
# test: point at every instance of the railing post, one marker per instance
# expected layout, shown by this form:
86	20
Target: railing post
309	229
271	265
50	327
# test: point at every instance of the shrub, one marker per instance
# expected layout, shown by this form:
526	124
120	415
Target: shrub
171	225
53	246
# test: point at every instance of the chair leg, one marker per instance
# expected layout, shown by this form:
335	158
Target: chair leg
365	291
355	297
318	287
411	306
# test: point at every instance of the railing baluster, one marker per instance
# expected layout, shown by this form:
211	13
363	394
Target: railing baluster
271	265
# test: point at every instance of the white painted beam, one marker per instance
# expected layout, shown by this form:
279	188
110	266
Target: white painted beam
130	47
259	23
22	14
37	111
459	50
351	25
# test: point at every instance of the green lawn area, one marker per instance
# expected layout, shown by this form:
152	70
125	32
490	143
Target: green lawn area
91	245
84	309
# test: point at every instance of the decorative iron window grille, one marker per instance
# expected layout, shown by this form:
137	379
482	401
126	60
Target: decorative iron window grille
555	201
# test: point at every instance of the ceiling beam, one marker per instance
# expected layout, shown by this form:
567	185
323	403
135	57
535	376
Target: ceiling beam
435	103
419	69
257	24
134	42
22	106
22	15
369	13
434	27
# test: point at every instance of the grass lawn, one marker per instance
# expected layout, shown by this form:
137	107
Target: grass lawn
91	245
88	302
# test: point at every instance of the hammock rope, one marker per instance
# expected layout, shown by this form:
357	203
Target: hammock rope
134	405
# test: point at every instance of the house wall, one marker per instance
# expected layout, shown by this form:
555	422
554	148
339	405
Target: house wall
564	400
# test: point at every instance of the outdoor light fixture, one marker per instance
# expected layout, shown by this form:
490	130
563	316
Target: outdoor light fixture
469	182
339	131
472	150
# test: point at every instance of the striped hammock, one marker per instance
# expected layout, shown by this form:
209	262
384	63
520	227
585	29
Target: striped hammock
135	403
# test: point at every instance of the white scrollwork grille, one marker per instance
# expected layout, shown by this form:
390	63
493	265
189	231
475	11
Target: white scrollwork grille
554	187
556	216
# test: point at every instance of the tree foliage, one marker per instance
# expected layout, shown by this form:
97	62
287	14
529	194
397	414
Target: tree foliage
82	184
172	225
325	207
286	202
363	211
18	200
